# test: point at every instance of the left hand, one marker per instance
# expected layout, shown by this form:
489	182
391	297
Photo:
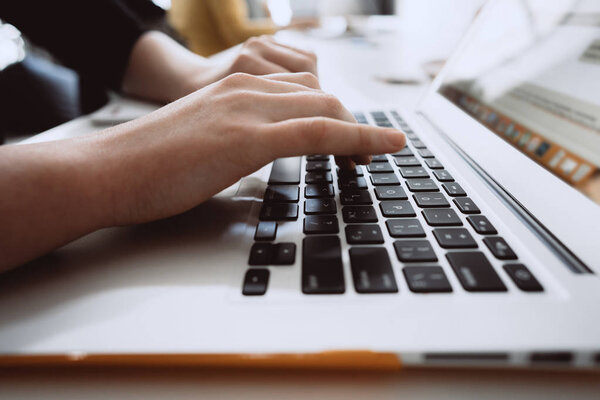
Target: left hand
258	56
162	70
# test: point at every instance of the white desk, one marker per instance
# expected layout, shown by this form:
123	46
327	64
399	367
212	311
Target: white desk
347	69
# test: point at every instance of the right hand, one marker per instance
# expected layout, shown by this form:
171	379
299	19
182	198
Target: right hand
184	153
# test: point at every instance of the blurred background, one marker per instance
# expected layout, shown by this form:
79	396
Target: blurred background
210	26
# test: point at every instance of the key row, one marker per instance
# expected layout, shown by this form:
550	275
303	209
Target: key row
372	272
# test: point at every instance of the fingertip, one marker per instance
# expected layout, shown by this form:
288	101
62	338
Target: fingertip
345	163
396	138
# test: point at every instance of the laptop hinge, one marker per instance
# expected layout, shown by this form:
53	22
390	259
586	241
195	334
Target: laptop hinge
559	249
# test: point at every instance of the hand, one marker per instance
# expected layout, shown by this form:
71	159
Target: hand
171	160
181	155
257	56
161	70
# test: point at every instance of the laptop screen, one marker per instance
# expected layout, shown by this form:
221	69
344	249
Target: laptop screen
531	75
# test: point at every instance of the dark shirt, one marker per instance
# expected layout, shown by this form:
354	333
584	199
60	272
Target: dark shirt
95	37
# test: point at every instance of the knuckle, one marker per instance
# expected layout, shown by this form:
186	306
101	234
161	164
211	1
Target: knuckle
309	79
244	58
317	129
365	138
237	79
333	106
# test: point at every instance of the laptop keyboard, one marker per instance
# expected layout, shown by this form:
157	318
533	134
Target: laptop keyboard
408	183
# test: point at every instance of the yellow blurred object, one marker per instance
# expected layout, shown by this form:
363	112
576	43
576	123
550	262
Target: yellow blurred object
210	26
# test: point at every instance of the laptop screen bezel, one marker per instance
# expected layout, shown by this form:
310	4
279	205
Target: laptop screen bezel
572	217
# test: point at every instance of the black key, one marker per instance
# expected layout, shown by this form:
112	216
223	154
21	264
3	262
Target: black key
372	271
355	197
317	157
405	152
421	185
523	278
499	248
413	172
322	268
475	272
319	190
482	225
266	230
453	238
430	199
318	177
396	208
403	228
441	217
384	179
260	254
361	118
466	205
363	234
426	279
255	282
418	144
407	161
359	214
434	163
390	193
283	254
410	134
414	251
318	166
352	183
282	194
320	206
425	153
377	167
285	170
453	189
443	175
347	173
278	212
379	158
316	224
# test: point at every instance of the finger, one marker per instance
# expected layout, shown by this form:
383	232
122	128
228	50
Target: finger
264	85
307	53
256	65
345	162
289	59
349	162
330	136
301	104
301	78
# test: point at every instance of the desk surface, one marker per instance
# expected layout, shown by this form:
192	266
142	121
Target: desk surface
347	69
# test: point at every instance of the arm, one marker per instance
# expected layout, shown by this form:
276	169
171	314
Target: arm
169	161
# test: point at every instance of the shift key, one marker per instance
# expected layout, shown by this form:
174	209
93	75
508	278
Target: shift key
322	268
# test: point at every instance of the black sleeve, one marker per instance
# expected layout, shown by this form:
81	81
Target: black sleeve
93	37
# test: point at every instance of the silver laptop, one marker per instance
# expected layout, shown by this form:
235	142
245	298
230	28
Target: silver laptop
478	244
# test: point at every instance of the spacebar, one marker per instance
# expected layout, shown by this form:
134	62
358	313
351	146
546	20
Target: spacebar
285	171
322	268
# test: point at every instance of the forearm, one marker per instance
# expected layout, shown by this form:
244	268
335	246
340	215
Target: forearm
161	70
52	193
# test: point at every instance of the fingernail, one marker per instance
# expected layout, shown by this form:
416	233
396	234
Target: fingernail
396	137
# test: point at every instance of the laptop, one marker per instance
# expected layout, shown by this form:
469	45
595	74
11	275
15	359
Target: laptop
476	245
